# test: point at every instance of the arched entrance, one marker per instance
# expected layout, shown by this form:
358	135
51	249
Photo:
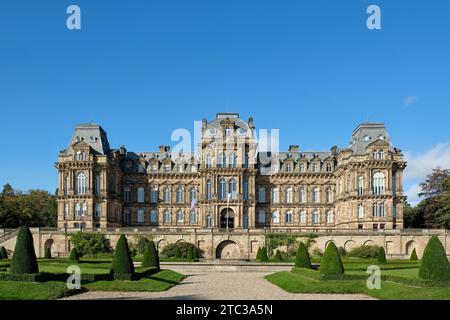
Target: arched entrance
228	250
227	218
48	245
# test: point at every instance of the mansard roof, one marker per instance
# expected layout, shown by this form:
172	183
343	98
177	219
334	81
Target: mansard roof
365	134
93	135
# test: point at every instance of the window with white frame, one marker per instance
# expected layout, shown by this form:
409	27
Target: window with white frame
378	210
288	167
288	195
154	168
302	195
232	188
330	217
330	195
360	185
315	217
302	167
275	167
78	210
140	216
127	195
316	167
288	217
381	212
262	195
275	195
84	209
193	217
193	168
167	167
208	161
66	210
378	183
180	195
154	195
140	195
166	217
98	209
232	161
153	216
316	195
81	184
275	217
193	195
222	160
261	216
222	189
208	190
180	168
302	216
180	217
209	221
360	211
166	197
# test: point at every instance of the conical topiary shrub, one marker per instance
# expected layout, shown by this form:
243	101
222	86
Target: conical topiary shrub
263	255
190	253
258	254
178	253
302	259
122	266
434	265
278	256
3	253
150	258
48	253
413	256
24	257
74	255
195	251
381	255
331	263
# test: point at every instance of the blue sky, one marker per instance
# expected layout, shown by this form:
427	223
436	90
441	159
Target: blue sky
144	68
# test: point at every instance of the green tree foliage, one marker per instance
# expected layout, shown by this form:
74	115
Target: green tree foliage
139	244
178	252
24	257
196	254
302	259
190	254
413	256
278	256
74	255
434	265
258	254
412	217
364	252
151	258
331	263
263	255
342	251
48	253
122	265
381	255
3	253
433	185
170	250
90	243
34	208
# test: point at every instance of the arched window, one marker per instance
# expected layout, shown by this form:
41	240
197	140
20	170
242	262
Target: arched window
140	216
78	209
180	217
360	185
154	195
316	195
302	195
261	216
84	209
360	211
167	217
153	216
166	195
208	190
378	183
262	195
232	188
288	217
302	216
328	167
302	167
330	217
381	210
222	189
141	193
193	195
209	221
193	217
288	195
127	195
275	195
180	195
275	217
81	184
315	217
330	195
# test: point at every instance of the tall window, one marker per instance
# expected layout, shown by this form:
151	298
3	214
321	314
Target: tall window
315	217
153	216
222	160
154	168
232	161
154	195
208	161
193	195
288	167
166	195
180	217
245	189
375	210
140	216
166	217
316	195
141	194
127	195
328	167
126	216
288	195
98	208
288	217
180	168
275	167
222	189
232	188
302	167
193	217
302	195
276	195
193	168
360	211
78	210
378	210
315	167
66	210
167	167
81	184
381	210
84	209
302	216
208	190
97	185
262	195
275	217
261	216
180	195
330	217
330	195
378	183
209	221
245	222
360	185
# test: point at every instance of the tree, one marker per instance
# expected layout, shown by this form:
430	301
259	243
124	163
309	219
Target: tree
413	256
3	253
302	259
412	217
48	253
178	252
196	255
258	254
434	265
278	256
263	255
122	266
150	258
331	263
433	184
381	255
90	243
74	255
24	256
7	190
443	203
190	254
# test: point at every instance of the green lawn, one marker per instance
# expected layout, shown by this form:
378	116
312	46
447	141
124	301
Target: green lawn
18	290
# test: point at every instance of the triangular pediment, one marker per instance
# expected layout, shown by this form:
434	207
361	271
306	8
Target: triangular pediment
378	143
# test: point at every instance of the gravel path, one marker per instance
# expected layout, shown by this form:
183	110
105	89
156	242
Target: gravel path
220	286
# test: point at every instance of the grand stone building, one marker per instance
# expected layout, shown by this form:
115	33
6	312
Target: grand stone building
230	184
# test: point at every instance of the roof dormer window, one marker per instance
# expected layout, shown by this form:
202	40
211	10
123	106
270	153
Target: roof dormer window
92	139
366	138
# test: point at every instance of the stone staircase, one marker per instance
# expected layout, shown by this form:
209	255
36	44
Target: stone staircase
8	234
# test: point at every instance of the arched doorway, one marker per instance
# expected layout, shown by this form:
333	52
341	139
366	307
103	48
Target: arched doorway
228	250
48	245
227	218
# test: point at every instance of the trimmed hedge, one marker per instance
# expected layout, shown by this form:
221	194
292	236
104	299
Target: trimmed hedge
302	259
3	253
263	255
150	258
122	266
178	253
196	255
331	263
258	254
24	257
434	265
381	255
74	255
48	253
278	256
190	253
413	256
364	252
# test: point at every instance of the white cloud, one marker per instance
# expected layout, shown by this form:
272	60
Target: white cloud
408	100
413	194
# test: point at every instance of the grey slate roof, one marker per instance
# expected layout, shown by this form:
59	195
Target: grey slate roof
365	134
92	134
